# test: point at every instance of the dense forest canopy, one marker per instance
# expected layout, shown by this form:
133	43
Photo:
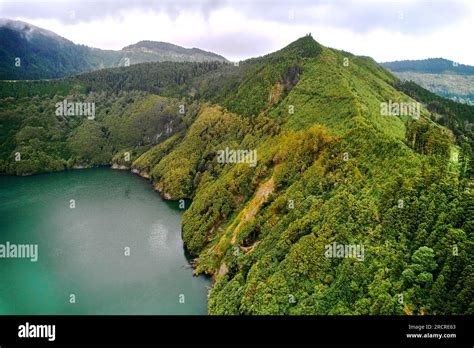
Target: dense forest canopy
29	52
446	78
331	170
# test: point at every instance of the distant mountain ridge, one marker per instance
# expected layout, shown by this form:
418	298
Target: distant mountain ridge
159	47
430	66
441	76
29	30
331	168
30	52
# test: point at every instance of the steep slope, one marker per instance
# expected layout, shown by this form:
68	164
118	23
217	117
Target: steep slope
283	157
331	169
29	52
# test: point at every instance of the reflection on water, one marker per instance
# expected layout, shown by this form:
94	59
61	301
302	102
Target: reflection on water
81	250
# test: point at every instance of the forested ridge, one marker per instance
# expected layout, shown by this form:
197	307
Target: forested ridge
446	78
29	52
331	169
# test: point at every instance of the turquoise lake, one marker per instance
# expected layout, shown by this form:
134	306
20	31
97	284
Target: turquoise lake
107	244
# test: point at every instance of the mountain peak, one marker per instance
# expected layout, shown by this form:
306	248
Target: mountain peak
28	31
45	54
304	47
152	45
160	47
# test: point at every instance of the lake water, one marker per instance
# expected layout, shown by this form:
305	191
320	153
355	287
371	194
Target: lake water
83	251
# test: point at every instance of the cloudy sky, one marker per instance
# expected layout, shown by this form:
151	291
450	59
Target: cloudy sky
239	29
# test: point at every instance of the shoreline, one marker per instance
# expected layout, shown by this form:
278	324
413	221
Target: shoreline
143	174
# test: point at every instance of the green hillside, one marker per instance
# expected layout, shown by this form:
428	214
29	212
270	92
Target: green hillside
430	66
28	52
331	168
441	76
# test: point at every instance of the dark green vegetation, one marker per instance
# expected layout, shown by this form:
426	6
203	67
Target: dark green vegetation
45	55
455	116
330	169
440	76
20	89
154	51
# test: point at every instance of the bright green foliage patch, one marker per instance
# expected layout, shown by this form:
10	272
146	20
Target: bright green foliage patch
331	169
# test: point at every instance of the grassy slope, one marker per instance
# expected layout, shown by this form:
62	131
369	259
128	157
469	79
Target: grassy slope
261	252
261	231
